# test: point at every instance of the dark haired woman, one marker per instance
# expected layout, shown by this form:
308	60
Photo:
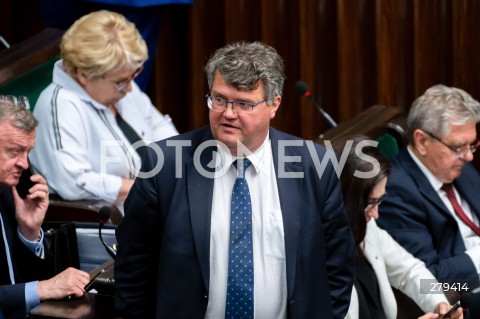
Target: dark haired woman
380	261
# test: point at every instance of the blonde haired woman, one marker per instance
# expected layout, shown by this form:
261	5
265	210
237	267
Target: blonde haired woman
94	120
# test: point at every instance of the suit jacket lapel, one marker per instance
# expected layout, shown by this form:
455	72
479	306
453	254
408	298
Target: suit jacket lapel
424	186
200	192
6	210
289	192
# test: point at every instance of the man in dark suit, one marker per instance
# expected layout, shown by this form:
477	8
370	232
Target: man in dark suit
432	205
23	257
177	243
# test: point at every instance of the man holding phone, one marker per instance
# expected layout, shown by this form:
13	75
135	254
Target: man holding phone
23	258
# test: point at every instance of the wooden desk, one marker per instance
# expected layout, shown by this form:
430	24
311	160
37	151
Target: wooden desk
90	306
79	211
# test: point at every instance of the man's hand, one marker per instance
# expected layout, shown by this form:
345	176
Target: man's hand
30	211
67	284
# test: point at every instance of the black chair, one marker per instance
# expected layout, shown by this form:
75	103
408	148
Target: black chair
77	244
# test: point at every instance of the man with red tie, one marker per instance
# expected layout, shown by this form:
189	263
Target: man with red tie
432	205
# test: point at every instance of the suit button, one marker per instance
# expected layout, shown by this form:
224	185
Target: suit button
292	301
205	296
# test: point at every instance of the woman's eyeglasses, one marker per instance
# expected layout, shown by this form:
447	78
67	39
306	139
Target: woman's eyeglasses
122	85
372	202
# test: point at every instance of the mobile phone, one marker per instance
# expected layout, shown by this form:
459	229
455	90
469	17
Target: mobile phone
24	184
89	286
451	311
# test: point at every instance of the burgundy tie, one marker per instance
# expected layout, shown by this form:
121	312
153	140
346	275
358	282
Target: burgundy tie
458	209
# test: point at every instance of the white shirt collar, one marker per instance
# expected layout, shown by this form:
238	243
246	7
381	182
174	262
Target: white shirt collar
435	182
259	159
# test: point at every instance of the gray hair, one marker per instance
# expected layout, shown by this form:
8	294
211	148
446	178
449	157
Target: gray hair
243	65
438	108
17	116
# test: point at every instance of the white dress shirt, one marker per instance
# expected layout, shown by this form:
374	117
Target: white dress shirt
270	279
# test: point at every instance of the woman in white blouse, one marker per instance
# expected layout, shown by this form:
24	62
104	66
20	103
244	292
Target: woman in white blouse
93	117
380	261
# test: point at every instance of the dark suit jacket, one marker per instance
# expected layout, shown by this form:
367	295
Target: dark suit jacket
416	217
162	265
26	265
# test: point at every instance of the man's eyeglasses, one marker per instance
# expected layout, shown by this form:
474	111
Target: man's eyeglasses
21	101
219	104
372	202
122	85
460	152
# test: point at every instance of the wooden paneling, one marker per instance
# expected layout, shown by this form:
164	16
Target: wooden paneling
430	51
466	46
353	54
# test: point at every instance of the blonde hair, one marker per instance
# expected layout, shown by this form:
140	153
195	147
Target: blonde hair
100	42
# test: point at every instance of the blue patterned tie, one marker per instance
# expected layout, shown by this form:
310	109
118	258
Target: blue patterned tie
240	262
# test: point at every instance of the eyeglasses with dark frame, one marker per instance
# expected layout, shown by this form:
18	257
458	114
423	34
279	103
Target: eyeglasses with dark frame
219	104
123	84
372	202
459	152
20	101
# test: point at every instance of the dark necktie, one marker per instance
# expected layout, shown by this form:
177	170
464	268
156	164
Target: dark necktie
458	209
240	263
131	135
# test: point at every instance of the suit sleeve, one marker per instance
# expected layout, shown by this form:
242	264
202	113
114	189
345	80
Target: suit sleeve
27	266
412	221
339	245
139	238
12	298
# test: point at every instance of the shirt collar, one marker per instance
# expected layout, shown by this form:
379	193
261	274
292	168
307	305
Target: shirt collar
435	182
259	159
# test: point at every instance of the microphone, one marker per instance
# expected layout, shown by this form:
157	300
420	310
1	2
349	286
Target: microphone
464	302
105	212
302	88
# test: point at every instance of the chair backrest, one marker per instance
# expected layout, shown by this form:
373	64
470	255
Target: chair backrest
91	252
77	244
26	67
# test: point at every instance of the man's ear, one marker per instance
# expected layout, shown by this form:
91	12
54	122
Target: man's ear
274	107
421	139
